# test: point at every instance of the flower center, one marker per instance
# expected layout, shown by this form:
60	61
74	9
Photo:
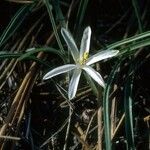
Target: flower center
84	58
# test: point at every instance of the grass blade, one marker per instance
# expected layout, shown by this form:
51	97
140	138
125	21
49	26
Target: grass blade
137	13
49	9
129	40
43	49
135	46
81	12
14	24
106	107
128	114
5	55
58	12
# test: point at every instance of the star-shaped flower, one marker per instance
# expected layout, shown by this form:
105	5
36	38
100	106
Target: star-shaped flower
82	61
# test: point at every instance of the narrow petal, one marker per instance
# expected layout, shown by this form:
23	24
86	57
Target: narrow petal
101	56
85	42
70	43
95	75
59	70
73	85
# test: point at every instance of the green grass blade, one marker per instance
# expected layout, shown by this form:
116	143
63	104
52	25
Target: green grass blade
107	130
135	46
81	12
43	49
128	114
129	40
5	55
59	15
14	24
49	9
8	55
40	61
137	13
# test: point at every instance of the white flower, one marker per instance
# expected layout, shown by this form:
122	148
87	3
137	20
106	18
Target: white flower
82	61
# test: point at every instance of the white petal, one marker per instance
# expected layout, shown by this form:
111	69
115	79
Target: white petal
101	56
95	75
59	70
85	42
73	85
70	43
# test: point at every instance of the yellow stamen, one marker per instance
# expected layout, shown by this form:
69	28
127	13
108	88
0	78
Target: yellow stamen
84	58
85	55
